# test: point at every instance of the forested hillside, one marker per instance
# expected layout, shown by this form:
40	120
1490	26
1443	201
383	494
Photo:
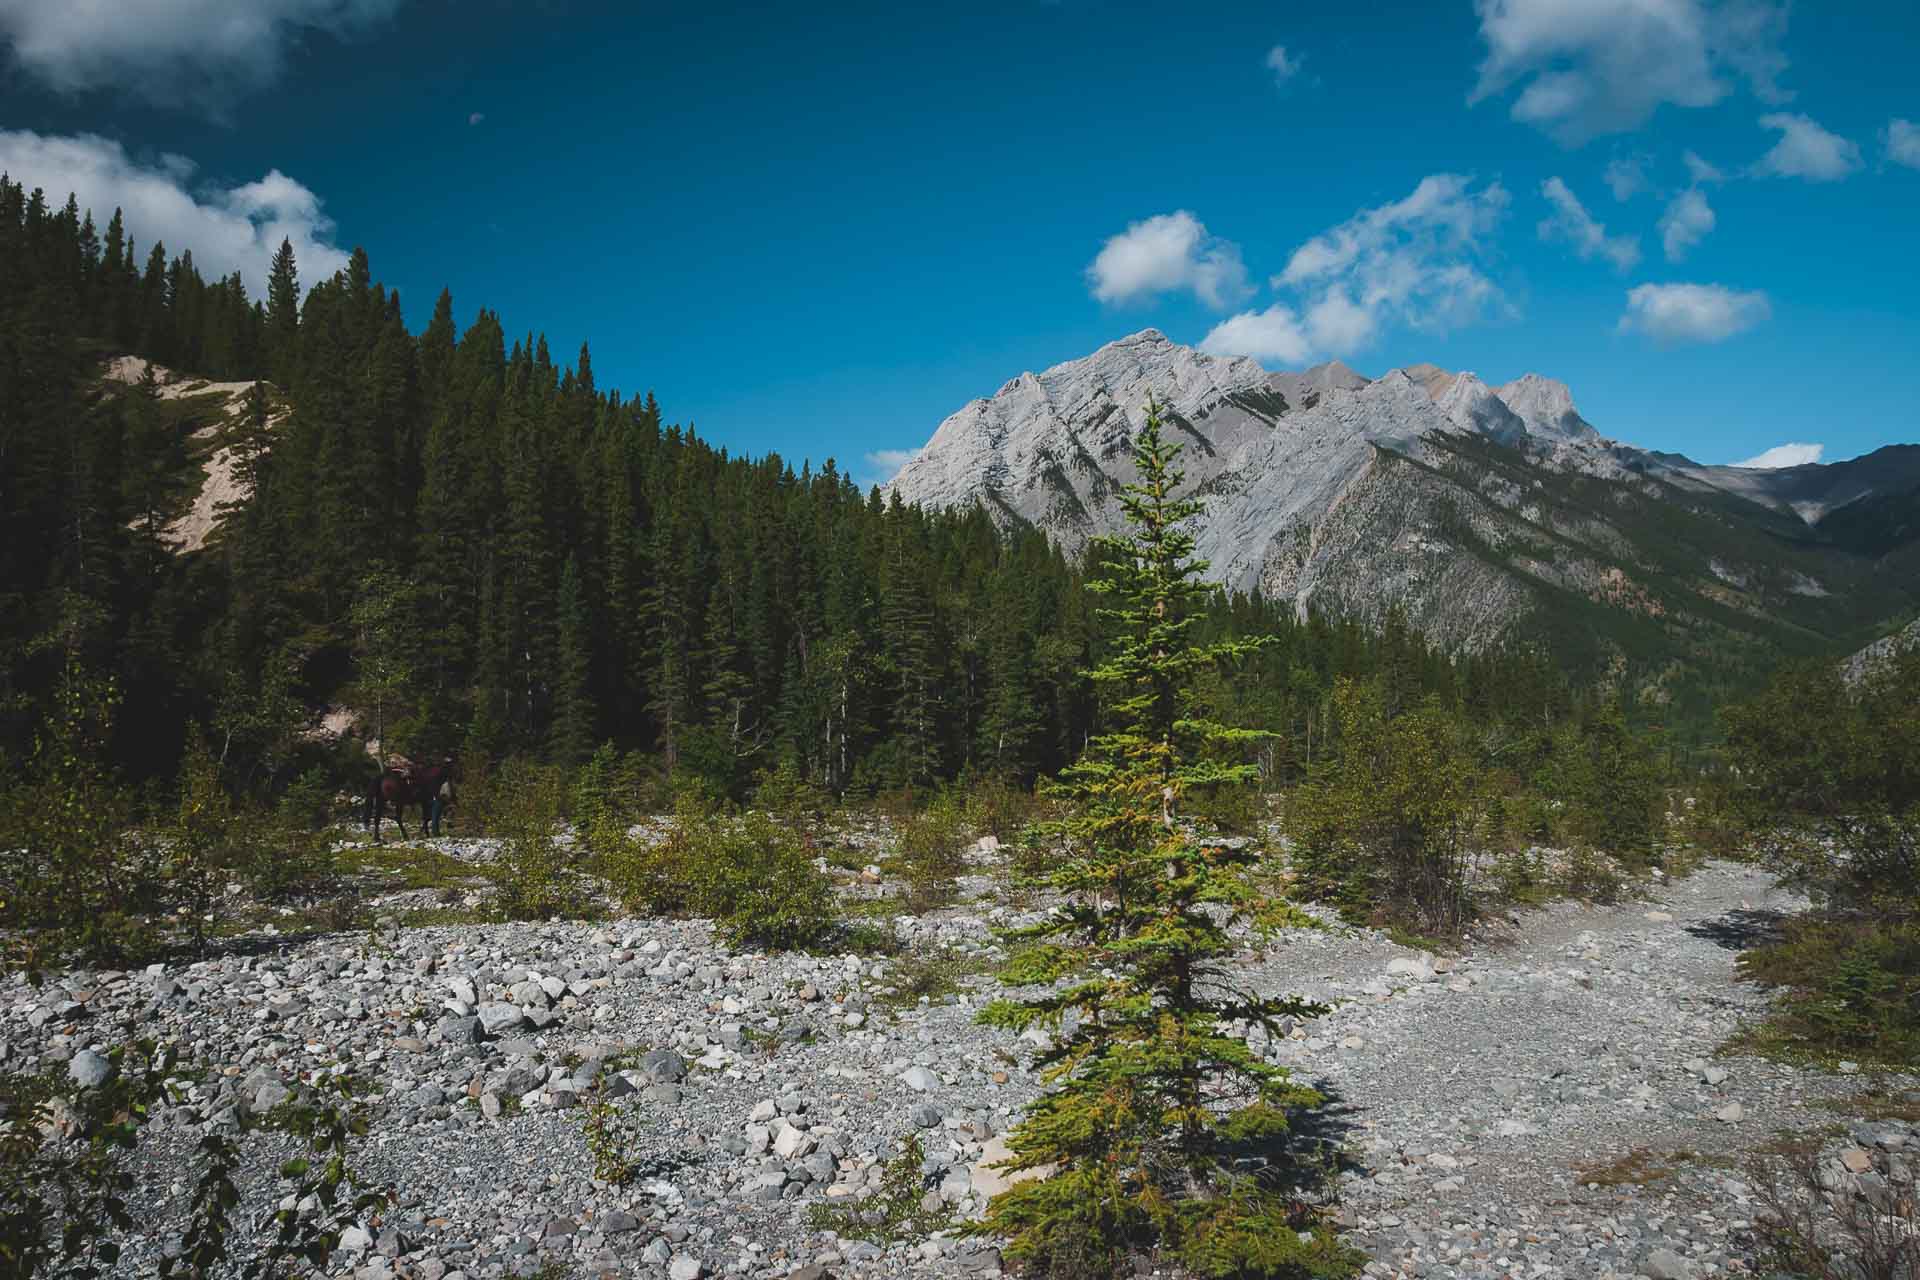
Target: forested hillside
479	549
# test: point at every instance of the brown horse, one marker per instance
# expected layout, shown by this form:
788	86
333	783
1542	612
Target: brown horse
431	788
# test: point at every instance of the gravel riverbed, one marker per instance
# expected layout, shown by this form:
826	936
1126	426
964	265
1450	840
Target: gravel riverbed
1484	1101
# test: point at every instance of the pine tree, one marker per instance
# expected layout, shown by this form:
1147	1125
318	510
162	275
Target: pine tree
1153	1109
283	315
573	713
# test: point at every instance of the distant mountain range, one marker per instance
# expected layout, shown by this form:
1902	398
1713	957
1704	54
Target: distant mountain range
1483	514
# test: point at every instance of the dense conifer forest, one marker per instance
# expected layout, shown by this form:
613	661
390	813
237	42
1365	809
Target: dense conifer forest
481	550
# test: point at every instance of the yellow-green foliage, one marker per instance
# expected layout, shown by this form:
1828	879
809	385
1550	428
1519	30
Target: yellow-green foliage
1387	823
931	847
206	847
755	877
531	872
71	880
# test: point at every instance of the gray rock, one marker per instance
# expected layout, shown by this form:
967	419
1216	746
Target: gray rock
686	1267
498	1018
457	1030
89	1070
919	1079
664	1066
1665	1264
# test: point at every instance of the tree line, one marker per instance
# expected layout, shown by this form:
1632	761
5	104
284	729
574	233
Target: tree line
480	550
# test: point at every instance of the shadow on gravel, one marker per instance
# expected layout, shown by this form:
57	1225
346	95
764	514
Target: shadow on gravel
1321	1137
1741	930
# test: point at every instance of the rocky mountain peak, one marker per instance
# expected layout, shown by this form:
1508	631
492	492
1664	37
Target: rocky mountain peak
1546	406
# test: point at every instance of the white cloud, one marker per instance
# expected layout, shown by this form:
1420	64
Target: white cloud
1626	176
1593	67
1273	336
1806	150
1411	262
1784	455
1338	325
1572	222
227	228
1674	313
1686	223
883	465
170	52
1285	66
1165	254
1700	171
1902	139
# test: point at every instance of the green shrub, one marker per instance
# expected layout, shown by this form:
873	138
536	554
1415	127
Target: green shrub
71	881
931	847
1385	826
758	882
755	877
1849	987
786	793
998	806
530	872
1590	876
208	845
65	1179
896	1211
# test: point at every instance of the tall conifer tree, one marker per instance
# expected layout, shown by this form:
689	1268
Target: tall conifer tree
1153	1110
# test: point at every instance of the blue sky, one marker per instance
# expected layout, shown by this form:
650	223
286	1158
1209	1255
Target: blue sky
821	232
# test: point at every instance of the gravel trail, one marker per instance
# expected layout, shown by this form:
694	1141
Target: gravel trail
1467	1093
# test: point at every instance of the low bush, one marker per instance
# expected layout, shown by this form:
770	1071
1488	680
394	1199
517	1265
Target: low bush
1849	988
931	847
758	882
531	873
1385	826
756	878
896	1211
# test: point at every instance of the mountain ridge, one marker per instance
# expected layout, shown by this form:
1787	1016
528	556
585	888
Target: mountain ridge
1481	513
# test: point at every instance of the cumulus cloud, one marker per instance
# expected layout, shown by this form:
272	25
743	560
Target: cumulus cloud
1169	253
1285	66
1273	336
1784	455
883	465
1902	139
1686	223
1805	150
171	52
227	228
1591	67
1413	262
1626	176
1701	171
1675	313
1571	222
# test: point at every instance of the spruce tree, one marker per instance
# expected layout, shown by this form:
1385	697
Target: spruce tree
1160	1132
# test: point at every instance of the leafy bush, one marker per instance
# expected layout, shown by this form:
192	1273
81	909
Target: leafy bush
1589	876
1849	988
897	1209
932	849
1385	825
73	881
1827	780
530	873
758	882
785	792
753	876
